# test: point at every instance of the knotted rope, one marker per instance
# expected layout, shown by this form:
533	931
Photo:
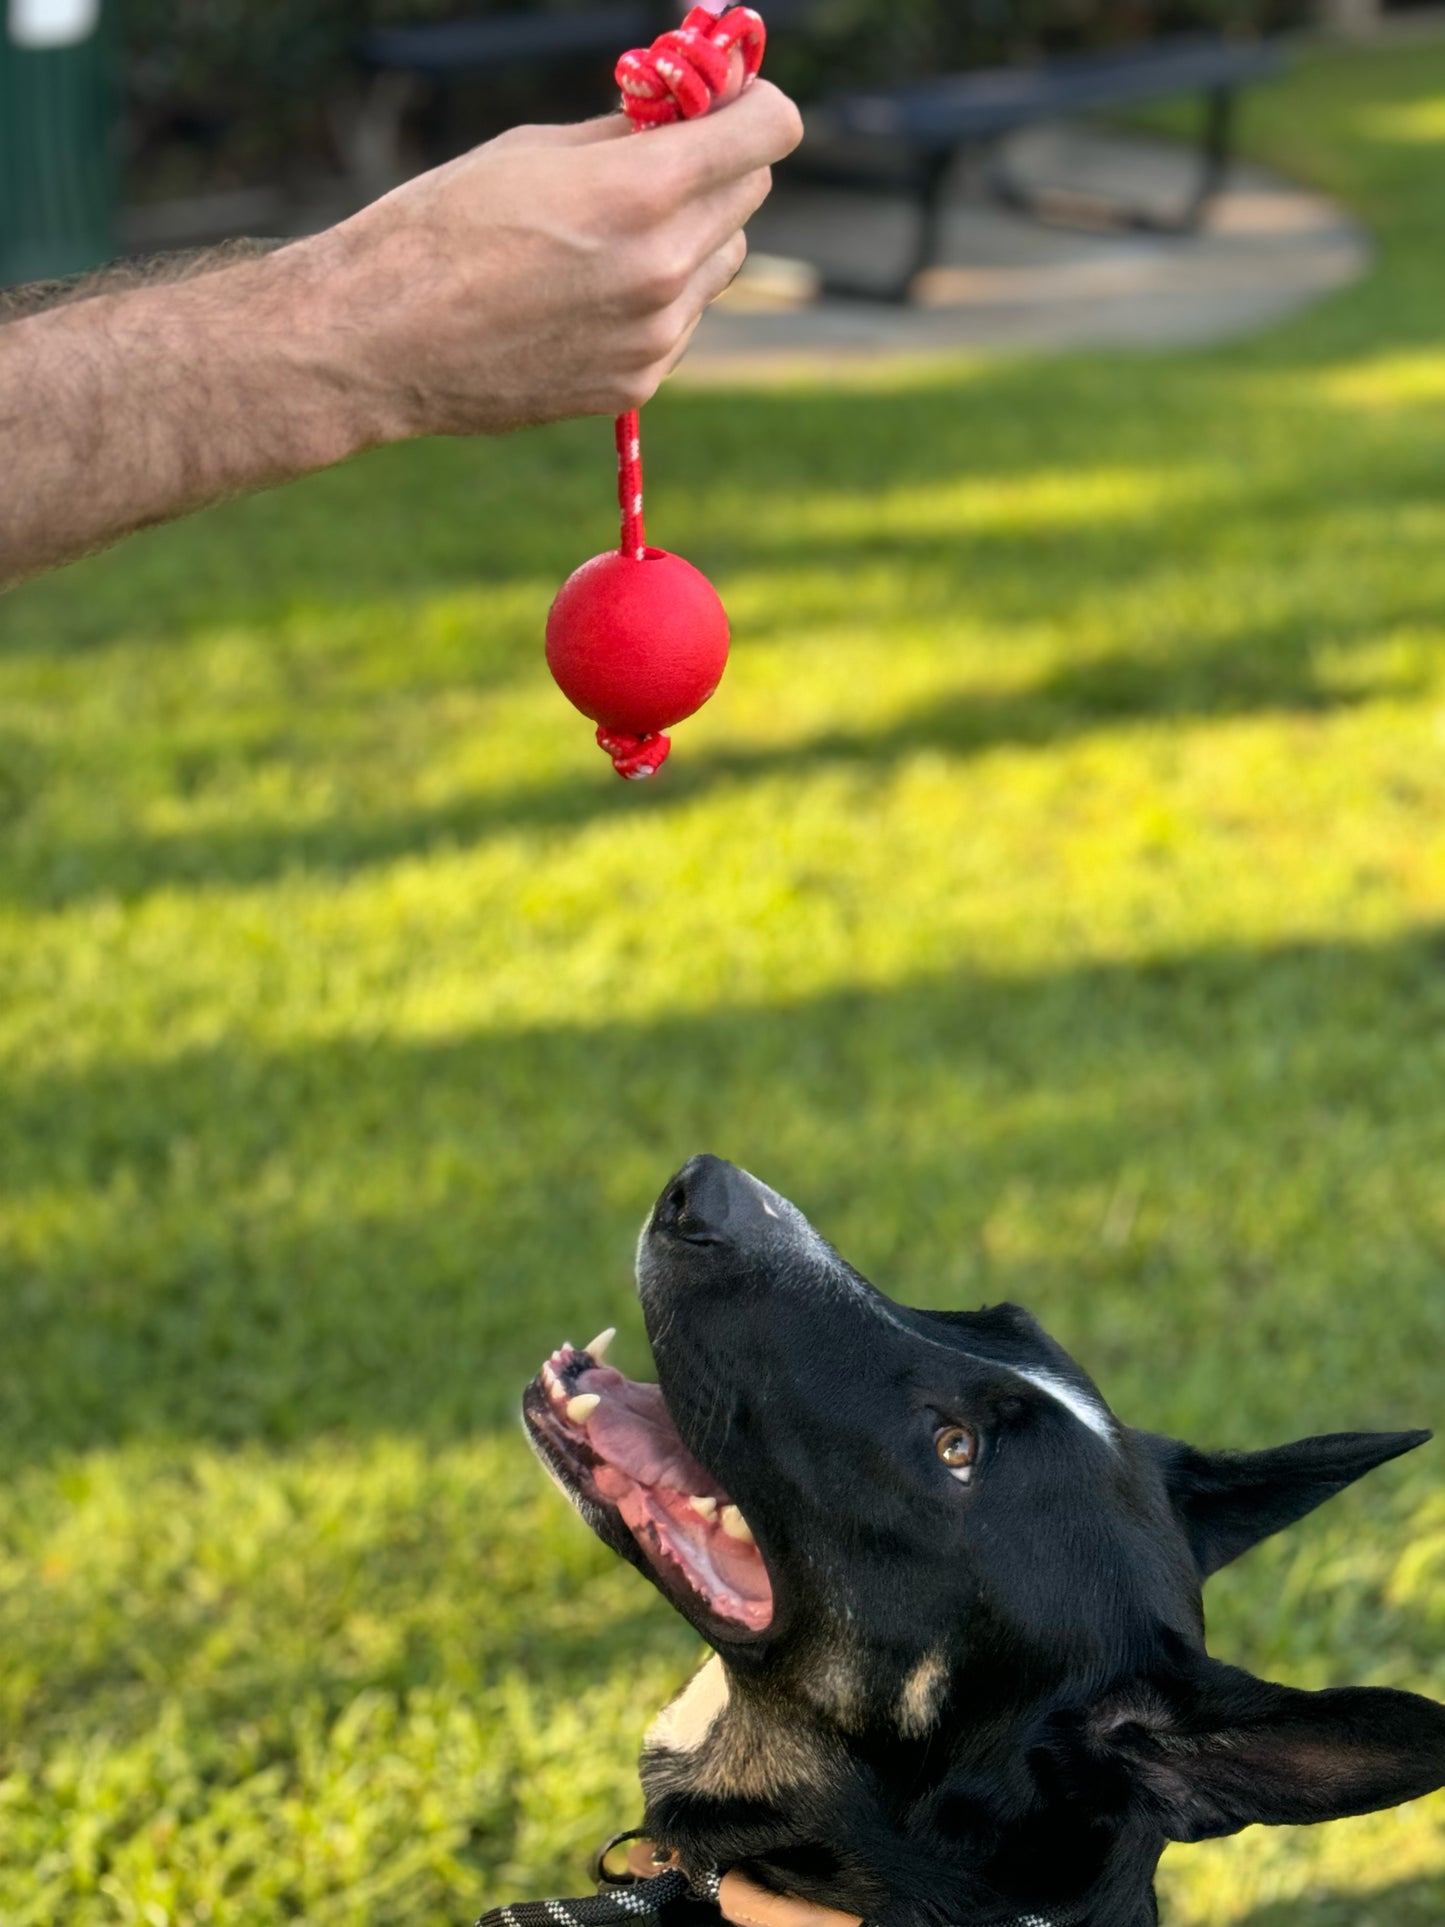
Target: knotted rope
654	1879
683	72
679	77
628	1905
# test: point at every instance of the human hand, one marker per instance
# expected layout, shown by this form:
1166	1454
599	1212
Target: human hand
553	271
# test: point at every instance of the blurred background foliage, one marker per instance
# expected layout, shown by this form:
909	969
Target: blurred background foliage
250	86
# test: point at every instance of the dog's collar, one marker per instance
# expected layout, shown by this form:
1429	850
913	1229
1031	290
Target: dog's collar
654	1878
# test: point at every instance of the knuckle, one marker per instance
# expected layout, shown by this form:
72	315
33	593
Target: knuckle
665	278
647	205
658	337
653	193
510	137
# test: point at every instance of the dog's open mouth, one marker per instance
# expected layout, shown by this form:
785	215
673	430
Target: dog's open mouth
612	1443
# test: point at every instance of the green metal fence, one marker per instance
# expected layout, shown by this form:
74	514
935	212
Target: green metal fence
57	158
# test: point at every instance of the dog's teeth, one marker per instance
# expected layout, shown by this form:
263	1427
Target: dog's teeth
705	1505
598	1347
550	1378
735	1525
581	1408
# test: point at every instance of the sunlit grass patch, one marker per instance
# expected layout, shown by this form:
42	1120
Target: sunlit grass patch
1408	381
1411	123
334	1685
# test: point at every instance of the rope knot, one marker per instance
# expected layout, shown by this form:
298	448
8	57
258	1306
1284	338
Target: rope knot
635	756
683	72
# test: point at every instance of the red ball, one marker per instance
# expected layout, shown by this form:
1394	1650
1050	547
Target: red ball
637	645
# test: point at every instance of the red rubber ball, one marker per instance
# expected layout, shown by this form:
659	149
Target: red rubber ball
637	645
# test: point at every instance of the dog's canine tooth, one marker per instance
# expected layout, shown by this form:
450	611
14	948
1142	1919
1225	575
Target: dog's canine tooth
598	1347
704	1505
581	1408
736	1526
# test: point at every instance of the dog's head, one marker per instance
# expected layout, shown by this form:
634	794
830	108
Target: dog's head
958	1603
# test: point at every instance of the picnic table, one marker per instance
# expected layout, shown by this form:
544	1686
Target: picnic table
907	138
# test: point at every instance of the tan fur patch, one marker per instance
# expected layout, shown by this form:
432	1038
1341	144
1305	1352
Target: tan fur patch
922	1695
713	1741
836	1688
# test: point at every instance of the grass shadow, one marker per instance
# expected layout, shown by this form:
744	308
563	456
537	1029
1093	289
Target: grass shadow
1278	673
373	1235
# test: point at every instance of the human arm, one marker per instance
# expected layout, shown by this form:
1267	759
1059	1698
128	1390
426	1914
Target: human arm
554	271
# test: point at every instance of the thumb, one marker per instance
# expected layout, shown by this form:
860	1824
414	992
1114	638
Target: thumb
758	129
582	133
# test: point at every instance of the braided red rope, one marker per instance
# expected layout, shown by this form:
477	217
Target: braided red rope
629	485
683	72
679	77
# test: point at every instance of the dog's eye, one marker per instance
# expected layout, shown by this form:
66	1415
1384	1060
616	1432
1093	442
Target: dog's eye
957	1446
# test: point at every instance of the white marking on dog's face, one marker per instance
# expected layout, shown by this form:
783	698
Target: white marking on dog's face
1071	1397
1088	1411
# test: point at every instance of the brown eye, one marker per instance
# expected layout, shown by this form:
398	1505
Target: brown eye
957	1446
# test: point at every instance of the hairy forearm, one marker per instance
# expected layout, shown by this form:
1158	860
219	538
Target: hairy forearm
554	271
128	408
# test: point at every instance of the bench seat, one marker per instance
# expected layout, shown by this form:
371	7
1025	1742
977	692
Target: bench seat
906	138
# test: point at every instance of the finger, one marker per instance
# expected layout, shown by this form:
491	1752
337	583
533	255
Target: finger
757	130
718	273
653	376
584	133
684	343
714	277
710	222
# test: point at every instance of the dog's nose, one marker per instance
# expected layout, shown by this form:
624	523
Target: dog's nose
709	1202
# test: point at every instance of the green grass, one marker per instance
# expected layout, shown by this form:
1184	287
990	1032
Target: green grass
1053	902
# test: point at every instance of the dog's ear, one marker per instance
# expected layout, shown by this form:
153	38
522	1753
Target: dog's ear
1226	1750
1229	1501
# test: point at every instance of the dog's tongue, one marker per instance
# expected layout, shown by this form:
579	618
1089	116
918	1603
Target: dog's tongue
645	1470
730	1576
633	1431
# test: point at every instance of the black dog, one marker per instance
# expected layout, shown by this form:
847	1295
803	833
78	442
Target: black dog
960	1672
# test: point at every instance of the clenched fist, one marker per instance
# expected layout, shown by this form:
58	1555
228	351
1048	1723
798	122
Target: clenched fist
555	271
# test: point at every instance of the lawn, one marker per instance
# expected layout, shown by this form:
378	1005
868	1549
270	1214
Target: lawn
1053	902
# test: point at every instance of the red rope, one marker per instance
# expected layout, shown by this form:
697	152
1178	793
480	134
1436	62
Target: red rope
629	485
677	78
680	76
683	72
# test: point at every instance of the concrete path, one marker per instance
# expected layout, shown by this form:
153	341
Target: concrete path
1007	282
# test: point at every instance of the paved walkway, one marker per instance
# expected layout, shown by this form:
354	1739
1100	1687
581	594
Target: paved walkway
1008	282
